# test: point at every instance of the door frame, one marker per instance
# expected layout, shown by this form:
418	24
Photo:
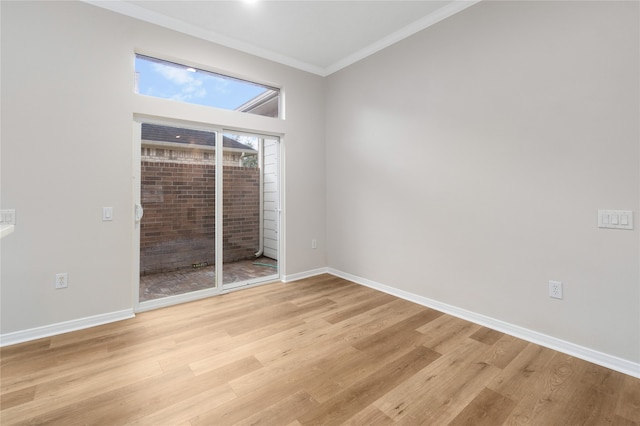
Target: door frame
218	288
269	278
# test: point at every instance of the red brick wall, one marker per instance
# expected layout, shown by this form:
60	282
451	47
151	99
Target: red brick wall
241	208
178	227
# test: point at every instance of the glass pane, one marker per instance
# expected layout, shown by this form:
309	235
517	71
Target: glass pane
177	231
168	80
249	230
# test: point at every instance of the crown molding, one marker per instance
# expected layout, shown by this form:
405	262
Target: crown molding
137	12
416	26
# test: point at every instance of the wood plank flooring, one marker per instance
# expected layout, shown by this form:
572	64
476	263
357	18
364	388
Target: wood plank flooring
319	351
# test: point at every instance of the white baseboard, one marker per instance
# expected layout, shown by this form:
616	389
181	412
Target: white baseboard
596	357
306	274
587	354
63	327
82	323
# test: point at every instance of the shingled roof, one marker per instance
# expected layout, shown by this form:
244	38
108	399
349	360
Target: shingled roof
155	132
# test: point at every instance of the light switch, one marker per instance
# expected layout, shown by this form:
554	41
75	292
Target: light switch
615	219
107	214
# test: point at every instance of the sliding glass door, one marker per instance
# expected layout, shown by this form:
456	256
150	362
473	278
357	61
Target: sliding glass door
250	209
192	242
177	192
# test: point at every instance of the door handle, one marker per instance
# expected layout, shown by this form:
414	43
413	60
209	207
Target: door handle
139	212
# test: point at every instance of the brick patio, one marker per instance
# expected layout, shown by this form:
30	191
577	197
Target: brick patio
166	284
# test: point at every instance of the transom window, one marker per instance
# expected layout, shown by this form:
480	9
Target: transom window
170	80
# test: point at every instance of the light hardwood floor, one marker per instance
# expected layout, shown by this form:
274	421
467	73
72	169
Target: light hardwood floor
316	351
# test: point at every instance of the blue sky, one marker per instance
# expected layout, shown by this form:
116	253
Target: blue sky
180	84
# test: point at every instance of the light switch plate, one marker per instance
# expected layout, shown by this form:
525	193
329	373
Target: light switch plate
107	214
615	219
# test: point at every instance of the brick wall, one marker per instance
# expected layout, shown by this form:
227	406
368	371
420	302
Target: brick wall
241	208
178	227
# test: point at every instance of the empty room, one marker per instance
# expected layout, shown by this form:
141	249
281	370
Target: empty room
320	212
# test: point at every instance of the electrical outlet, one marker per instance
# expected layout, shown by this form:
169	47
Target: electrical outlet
8	217
61	280
314	244
555	289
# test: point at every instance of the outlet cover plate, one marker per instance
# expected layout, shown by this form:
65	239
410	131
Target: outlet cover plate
555	289
61	280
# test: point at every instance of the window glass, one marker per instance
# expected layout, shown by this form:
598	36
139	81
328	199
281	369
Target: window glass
168	80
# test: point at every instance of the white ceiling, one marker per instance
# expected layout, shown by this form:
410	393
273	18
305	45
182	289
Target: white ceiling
315	36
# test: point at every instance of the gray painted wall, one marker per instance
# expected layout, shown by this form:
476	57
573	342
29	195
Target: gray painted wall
467	163
67	150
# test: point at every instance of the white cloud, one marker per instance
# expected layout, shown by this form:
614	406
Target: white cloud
190	86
